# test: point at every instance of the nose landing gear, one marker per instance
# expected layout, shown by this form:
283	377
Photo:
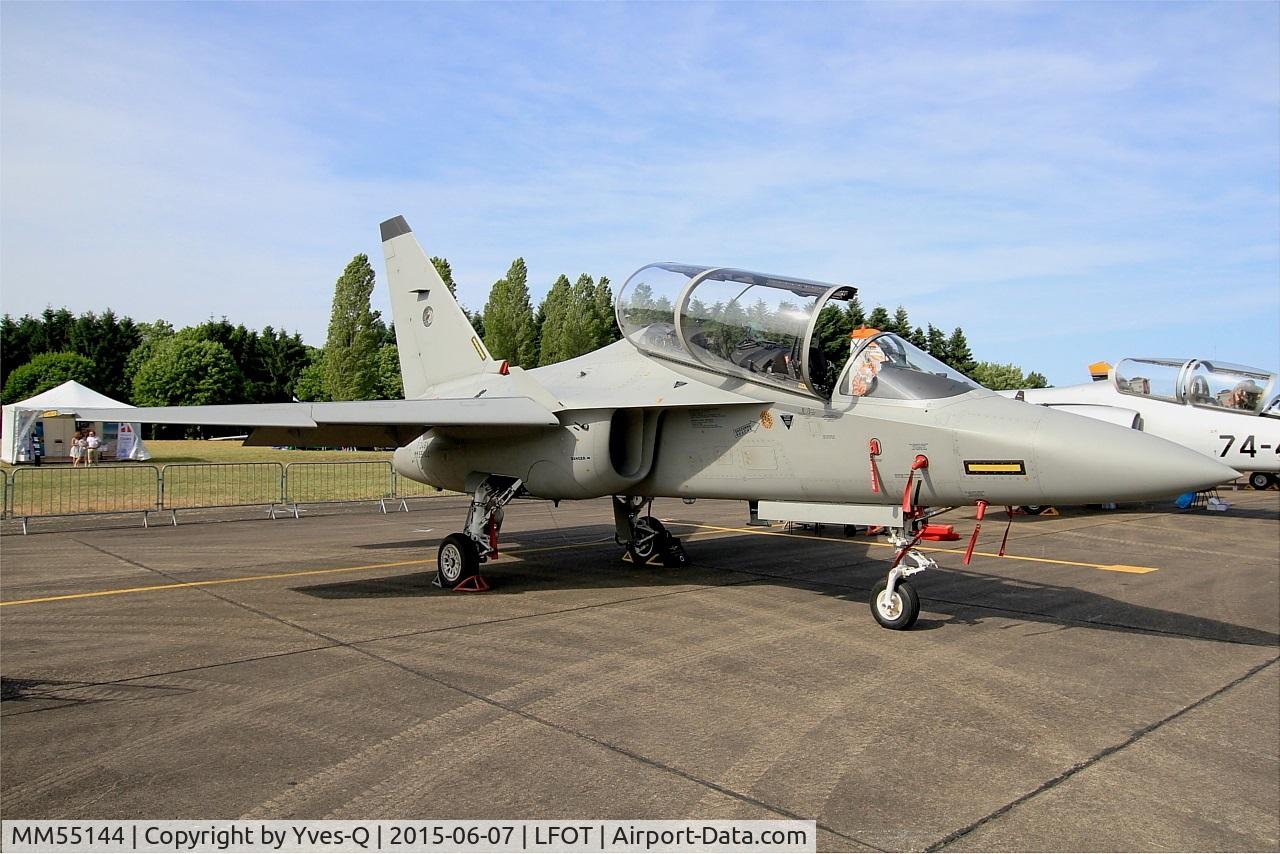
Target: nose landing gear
894	601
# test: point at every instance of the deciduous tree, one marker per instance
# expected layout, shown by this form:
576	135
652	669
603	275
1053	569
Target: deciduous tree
46	371
508	318
997	376
582	326
355	333
310	384
390	382
551	319
187	370
446	273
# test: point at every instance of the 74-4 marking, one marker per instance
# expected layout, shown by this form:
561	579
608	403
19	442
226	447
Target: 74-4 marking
1248	446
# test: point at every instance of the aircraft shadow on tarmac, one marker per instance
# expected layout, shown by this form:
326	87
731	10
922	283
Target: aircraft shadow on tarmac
19	695
831	565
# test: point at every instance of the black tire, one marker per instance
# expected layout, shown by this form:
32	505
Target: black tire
899	615
650	536
1034	509
457	559
1261	479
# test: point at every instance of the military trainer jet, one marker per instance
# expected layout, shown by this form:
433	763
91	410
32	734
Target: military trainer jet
719	388
1228	412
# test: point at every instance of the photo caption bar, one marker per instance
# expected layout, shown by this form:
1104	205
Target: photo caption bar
410	837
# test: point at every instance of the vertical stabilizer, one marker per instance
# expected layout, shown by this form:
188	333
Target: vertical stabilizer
435	339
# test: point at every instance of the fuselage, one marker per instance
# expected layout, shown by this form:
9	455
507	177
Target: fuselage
787	446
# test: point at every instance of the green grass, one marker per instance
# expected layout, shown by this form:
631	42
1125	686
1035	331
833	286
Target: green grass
206	474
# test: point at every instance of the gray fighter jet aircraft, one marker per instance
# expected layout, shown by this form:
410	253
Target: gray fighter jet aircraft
720	388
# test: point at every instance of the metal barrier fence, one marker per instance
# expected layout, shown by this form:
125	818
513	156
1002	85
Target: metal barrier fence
96	489
318	483
202	485
31	492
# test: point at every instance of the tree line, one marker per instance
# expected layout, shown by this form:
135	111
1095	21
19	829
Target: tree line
152	364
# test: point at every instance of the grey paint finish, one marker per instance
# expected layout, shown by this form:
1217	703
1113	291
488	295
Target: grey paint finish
394	227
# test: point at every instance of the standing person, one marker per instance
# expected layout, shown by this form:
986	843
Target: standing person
78	448
93	445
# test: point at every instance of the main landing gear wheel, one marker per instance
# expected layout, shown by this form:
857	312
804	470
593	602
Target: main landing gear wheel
458	559
651	535
1034	509
898	611
1261	480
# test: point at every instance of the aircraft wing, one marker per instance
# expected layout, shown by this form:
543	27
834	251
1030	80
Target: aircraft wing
376	423
450	412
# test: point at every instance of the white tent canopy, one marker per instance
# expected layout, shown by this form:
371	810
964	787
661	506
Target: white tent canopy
55	410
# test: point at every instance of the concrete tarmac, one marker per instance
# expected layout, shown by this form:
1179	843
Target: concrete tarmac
1113	684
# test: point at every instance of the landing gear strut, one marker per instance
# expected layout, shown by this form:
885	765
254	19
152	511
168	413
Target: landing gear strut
644	537
894	601
460	555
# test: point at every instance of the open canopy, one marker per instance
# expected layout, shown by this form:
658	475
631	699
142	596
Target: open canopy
749	325
1199	382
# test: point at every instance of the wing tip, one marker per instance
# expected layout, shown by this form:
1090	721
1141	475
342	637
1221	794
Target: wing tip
394	227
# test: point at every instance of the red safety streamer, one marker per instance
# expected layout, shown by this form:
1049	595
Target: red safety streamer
874	449
1009	511
908	495
973	538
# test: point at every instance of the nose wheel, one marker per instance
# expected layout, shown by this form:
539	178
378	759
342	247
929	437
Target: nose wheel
897	609
894	601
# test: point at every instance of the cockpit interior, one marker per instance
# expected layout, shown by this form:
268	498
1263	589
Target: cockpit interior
1198	382
780	332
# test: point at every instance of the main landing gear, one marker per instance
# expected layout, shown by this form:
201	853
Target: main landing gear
644	537
461	554
1261	479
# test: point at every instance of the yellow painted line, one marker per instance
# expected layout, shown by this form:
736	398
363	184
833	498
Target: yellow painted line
711	529
991	467
1109	567
268	577
240	580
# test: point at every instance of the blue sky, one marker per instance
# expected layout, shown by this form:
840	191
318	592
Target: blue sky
1068	182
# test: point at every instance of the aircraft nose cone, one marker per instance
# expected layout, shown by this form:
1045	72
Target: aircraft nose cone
1098	462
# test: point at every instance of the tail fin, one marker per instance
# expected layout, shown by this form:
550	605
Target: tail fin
435	339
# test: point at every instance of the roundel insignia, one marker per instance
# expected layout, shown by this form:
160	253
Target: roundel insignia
428	314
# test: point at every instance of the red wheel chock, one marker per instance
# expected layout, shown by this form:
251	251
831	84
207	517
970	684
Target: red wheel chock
939	532
471	584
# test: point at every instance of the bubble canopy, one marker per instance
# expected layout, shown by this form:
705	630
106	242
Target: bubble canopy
749	325
1200	382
